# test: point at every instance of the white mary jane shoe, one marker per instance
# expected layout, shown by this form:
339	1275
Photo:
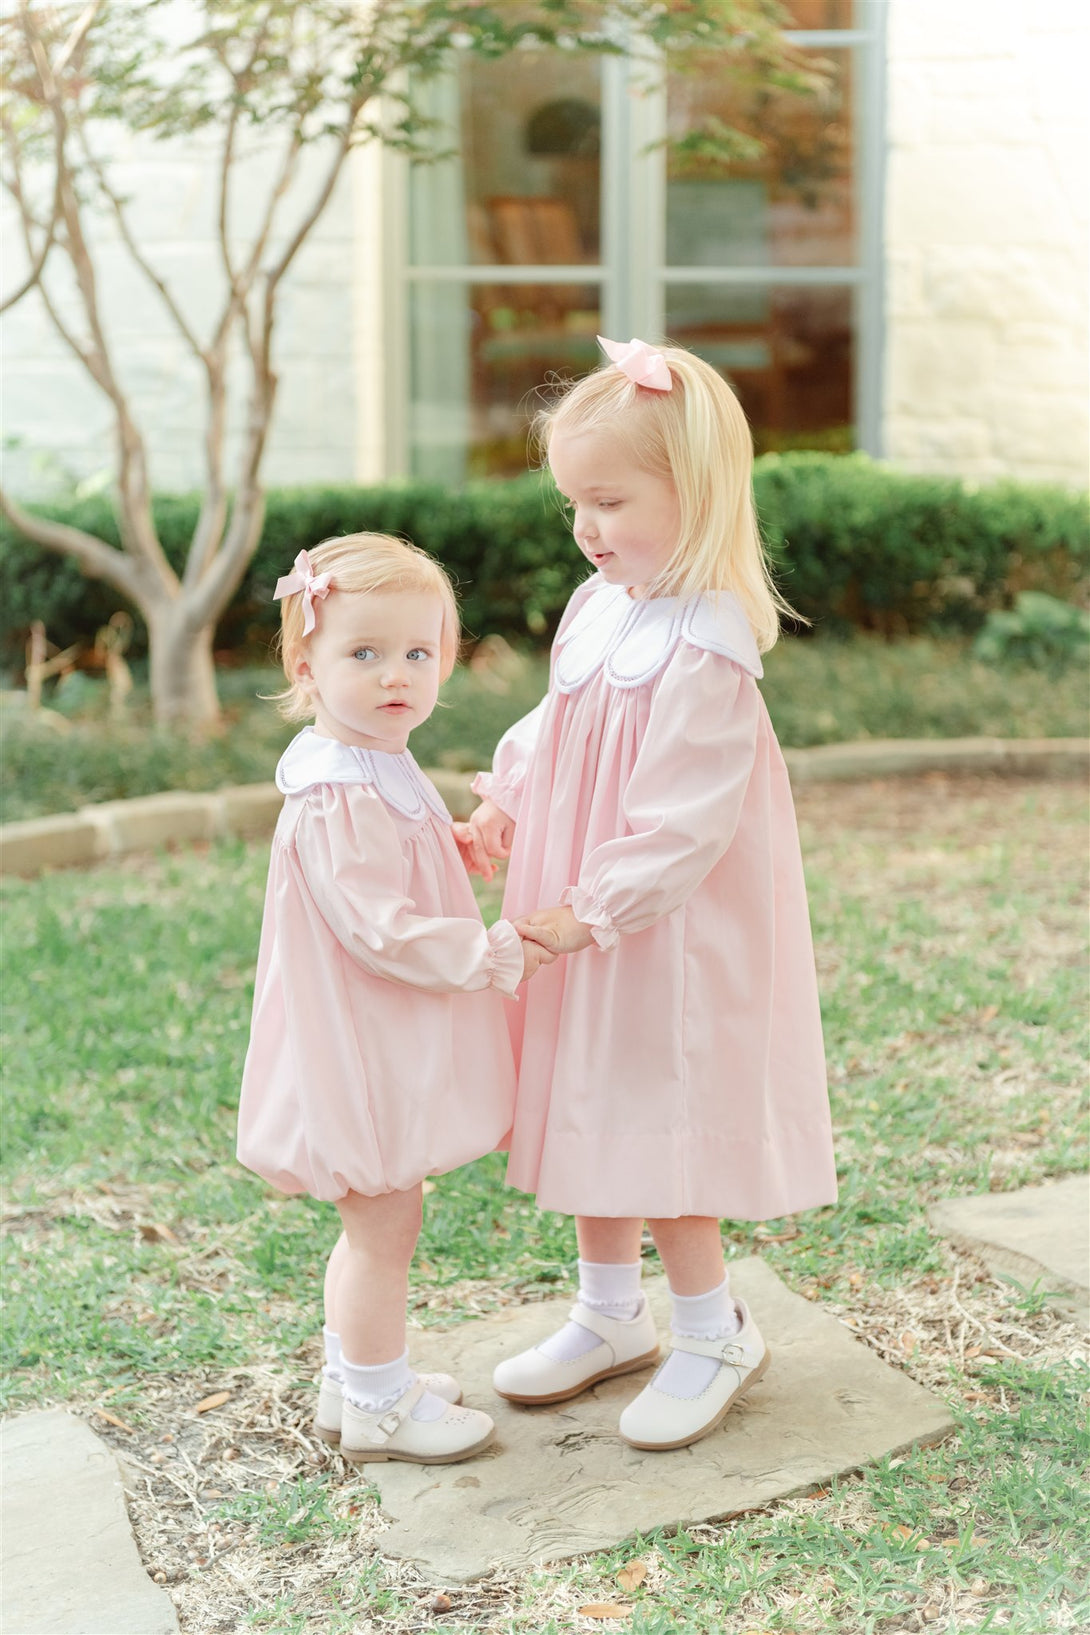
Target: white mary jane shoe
625	1344
656	1420
327	1416
394	1434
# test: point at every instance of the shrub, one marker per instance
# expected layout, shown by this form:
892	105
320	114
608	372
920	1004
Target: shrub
1040	631
856	544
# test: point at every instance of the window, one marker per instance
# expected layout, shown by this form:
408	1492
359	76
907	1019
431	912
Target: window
578	200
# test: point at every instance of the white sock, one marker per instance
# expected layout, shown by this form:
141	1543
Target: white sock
710	1316
332	1342
614	1290
378	1387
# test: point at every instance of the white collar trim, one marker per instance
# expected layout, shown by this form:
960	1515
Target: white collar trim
630	641
310	760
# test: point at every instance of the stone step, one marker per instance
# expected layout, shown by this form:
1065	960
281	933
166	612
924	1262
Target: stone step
147	822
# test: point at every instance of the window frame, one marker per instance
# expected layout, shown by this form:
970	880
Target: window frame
633	273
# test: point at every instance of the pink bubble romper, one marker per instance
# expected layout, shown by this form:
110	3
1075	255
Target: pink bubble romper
378	1053
675	1068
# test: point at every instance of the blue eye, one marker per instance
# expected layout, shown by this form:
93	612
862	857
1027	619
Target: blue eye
364	653
418	654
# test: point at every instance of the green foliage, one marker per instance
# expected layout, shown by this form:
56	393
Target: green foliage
1039	630
854	543
819	691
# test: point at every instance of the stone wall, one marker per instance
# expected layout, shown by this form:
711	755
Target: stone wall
61	423
986	238
986	246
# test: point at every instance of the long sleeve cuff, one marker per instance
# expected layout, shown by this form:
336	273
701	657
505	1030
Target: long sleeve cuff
590	913
505	962
506	793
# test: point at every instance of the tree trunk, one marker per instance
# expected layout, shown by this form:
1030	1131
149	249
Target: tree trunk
182	674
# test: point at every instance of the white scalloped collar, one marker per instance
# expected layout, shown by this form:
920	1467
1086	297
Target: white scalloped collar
631	640
311	759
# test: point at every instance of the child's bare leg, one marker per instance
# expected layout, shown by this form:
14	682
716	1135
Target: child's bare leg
717	1349
371	1285
608	1241
334	1266
691	1251
380	1419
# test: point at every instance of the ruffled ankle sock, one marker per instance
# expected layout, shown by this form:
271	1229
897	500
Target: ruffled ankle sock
612	1290
376	1388
709	1316
332	1369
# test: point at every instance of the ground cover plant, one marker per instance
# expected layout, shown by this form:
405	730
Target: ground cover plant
153	1286
856	545
818	691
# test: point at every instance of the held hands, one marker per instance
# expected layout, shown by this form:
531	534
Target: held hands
555	929
548	933
534	957
487	836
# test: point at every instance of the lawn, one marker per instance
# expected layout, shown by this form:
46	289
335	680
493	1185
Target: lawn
818	691
145	1273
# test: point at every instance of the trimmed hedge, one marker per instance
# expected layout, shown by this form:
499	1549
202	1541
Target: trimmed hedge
854	543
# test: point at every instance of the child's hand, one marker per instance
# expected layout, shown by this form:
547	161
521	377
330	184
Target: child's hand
556	929
534	956
493	830
473	854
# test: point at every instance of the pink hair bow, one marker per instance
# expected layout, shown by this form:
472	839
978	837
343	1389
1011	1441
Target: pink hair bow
640	362
314	586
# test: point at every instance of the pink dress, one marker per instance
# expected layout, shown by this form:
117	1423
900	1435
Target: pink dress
378	1053
677	1067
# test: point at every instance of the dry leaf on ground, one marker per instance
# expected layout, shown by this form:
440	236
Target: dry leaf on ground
216	1400
112	1419
632	1575
604	1609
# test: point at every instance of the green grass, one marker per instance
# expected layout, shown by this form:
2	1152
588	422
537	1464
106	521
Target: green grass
819	691
138	1256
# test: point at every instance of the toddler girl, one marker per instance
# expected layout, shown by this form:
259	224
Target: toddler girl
378	1052
675	1072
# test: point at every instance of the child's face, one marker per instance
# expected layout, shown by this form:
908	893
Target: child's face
625	520
371	668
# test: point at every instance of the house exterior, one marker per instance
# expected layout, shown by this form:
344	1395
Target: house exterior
901	269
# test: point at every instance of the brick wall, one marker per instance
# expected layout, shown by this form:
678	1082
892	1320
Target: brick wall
59	417
988	183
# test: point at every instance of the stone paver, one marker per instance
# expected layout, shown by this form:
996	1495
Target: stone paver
115	828
560	1481
70	1564
1039	1235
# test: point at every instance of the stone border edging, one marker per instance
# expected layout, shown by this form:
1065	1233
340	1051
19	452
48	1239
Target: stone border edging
116	828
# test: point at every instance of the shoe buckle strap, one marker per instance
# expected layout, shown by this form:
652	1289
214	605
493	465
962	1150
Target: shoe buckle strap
391	1420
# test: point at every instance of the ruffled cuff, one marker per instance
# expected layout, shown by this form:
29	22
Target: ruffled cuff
506	793
505	961
590	913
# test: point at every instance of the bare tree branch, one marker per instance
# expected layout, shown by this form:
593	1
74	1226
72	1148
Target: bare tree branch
80	31
133	248
39	257
135	513
95	558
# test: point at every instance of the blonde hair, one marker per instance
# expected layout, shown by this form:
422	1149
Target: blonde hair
697	436
364	562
